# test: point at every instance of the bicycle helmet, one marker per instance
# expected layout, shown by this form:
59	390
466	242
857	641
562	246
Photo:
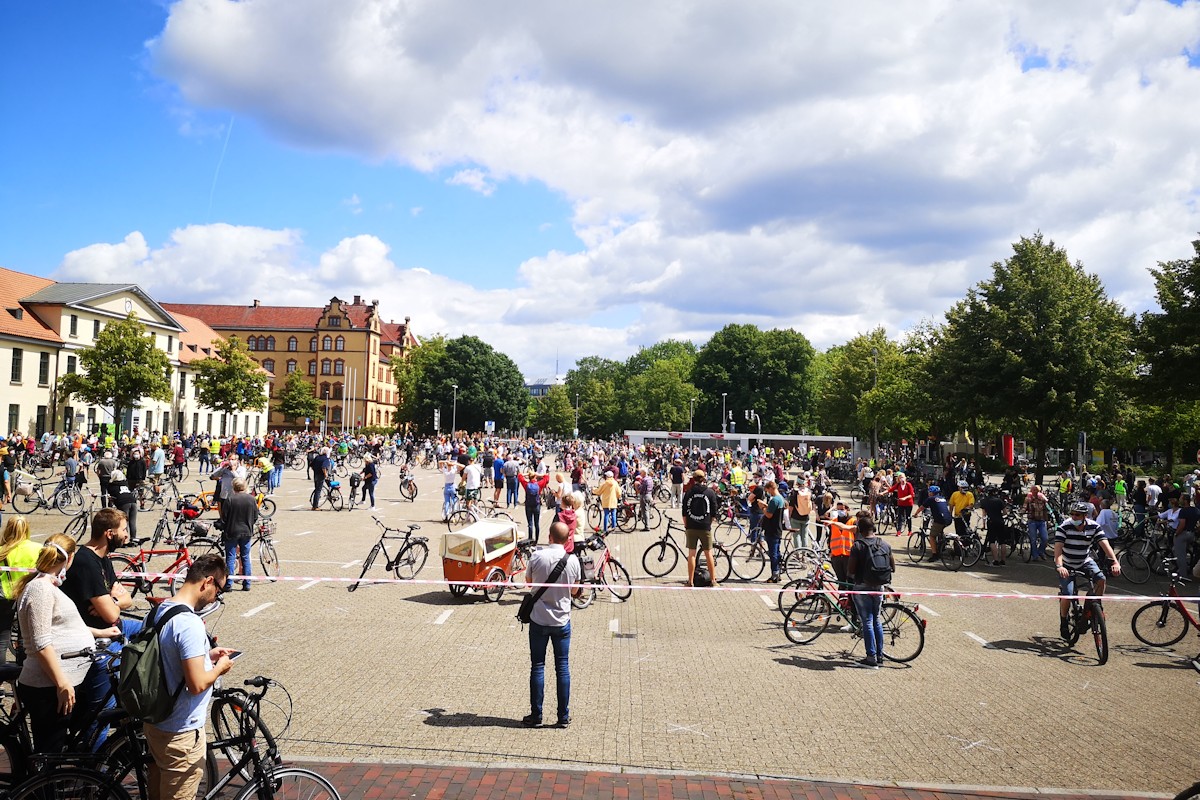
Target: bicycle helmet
935	490
962	484
1081	507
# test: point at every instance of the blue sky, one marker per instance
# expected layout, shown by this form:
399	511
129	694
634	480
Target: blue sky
587	178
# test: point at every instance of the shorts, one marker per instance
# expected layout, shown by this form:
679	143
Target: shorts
697	539
999	535
1088	567
471	494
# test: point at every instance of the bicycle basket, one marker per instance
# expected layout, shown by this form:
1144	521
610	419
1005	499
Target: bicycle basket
355	480
23	489
199	528
588	564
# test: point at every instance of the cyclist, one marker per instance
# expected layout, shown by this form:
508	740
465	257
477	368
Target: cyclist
961	502
939	517
1073	541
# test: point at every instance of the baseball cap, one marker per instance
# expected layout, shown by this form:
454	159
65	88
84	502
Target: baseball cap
699	475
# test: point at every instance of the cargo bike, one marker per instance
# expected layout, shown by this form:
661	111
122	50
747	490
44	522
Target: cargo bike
487	551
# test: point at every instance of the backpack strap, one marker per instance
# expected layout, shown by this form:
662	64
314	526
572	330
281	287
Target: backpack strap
553	577
159	623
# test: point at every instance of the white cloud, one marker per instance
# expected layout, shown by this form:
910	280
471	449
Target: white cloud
779	162
353	203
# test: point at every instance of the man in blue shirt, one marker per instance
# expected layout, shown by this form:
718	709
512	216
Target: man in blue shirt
177	744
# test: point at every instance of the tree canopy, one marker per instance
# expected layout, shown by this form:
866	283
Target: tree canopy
298	398
230	380
490	387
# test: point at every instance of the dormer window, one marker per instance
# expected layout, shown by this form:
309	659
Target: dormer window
335	322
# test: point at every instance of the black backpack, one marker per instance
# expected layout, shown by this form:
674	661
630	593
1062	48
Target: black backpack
699	507
701	578
877	566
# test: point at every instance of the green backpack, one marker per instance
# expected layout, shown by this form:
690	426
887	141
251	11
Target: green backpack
142	684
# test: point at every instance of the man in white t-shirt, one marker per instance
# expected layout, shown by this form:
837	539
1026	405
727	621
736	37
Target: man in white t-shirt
1153	493
472	482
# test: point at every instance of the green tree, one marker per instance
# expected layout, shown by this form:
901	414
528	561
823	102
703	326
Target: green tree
123	367
298	398
1169	342
869	386
409	371
594	382
1040	343
553	413
668	349
230	380
490	387
658	397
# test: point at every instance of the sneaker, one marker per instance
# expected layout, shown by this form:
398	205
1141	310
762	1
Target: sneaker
565	722
867	663
1064	628
934	559
531	721
372	508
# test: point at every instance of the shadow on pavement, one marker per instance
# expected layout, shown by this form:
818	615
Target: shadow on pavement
439	718
443	598
1043	646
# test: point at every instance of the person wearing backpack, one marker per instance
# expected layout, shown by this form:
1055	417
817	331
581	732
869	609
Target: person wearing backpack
534	487
871	567
699	511
190	669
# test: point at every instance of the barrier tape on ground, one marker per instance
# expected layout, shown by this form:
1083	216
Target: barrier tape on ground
755	588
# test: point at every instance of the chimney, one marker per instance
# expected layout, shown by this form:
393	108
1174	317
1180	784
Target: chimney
375	303
256	303
358	300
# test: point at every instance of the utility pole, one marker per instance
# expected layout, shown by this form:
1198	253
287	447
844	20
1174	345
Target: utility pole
875	429
723	427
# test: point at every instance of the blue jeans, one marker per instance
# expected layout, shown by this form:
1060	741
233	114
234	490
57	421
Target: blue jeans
868	606
1037	538
609	521
539	636
773	550
510	491
97	686
533	517
276	476
233	550
449	498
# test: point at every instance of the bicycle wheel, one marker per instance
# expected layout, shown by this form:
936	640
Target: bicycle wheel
408	490
1157	559
800	563
1074	622
808	619
135	583
410	560
26	503
460	519
226	715
916	546
267	508
1191	793
69	501
203	545
586	597
728	533
291	783
626	519
494	593
1099	630
952	555
593	517
722	562
748	560
268	558
1134	567
792	592
903	633
662	494
336	501
616	579
972	551
69	783
145	498
660	559
371	560
1159	624
1022	548
654	518
886	520
355	461
77	528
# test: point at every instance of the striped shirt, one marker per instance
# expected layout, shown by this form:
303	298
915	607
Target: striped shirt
1077	542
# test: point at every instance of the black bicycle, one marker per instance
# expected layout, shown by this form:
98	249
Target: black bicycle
409	558
662	557
1086	614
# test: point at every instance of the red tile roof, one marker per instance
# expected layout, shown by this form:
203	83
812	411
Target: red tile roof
14	286
263	318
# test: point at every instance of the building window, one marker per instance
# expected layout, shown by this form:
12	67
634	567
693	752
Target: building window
171	348
14	417
91	423
71	365
312	345
208	425
74	325
291	366
326	343
182	385
339	343
258	420
17	363
337	414
335	322
312	368
95	329
337	391
269	365
325	366
339	367
252	343
195	422
270	342
43	369
324	391
40	421
292	344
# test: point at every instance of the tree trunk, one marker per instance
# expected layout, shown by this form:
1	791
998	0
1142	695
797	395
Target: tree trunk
975	438
1039	452
1171	457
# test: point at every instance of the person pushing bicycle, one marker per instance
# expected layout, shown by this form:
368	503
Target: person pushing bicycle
1073	541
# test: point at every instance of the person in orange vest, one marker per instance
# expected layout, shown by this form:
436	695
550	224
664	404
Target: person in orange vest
841	539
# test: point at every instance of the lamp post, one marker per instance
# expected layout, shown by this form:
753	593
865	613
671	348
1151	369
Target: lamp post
454	412
692	414
577	415
875	429
723	411
751	415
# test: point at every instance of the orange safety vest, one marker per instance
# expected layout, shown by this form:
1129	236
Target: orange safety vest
841	538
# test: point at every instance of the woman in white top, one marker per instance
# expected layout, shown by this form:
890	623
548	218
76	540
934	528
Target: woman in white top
53	635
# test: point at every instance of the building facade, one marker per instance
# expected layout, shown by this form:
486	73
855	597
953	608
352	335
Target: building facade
45	325
344	349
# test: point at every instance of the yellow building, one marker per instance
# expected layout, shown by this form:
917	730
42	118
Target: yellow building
343	349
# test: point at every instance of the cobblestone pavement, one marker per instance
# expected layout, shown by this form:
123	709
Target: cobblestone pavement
702	680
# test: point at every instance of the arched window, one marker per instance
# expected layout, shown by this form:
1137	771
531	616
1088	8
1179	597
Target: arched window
292	344
339	367
270	342
325	366
337	414
269	365
312	345
337	391
339	343
291	365
327	343
252	343
312	368
324	390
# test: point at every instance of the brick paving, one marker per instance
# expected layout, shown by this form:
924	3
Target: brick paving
375	781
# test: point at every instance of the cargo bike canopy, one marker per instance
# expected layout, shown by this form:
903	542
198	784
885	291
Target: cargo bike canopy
480	542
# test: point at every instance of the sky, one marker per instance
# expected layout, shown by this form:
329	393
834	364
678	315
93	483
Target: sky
570	179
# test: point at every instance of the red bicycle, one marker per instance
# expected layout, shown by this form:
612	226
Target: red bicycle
1162	623
609	573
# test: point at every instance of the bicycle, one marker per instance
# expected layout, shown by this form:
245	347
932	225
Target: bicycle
610	574
809	617
331	496
409	559
264	541
206	500
29	497
1162	623
80	525
661	558
149	495
1085	615
131	570
408	486
464	514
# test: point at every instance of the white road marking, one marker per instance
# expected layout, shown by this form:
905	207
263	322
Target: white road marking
349	564
308	585
973	574
673	728
613	625
257	609
925	607
297	508
305	533
770	603
977	638
445	615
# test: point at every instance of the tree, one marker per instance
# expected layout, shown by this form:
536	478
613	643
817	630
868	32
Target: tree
123	367
298	398
553	413
659	397
409	372
1040	343
1169	342
230	380
490	387
593	380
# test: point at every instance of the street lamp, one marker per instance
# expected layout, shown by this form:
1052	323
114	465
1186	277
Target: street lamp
577	415
875	430
454	413
751	415
692	414
723	411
